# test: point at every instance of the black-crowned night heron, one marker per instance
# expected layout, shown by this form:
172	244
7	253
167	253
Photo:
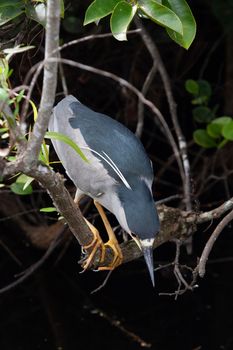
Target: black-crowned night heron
118	176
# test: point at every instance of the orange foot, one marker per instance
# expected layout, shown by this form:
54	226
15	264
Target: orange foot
97	243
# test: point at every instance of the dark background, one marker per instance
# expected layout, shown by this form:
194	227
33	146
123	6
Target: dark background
54	308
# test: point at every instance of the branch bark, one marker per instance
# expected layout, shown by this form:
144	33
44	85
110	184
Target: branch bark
209	245
49	84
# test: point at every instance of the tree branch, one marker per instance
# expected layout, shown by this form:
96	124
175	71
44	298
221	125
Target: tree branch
209	245
49	84
215	213
145	88
154	52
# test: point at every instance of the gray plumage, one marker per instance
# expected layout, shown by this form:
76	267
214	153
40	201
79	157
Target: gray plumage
119	174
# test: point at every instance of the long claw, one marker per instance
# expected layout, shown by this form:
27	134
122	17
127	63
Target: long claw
97	244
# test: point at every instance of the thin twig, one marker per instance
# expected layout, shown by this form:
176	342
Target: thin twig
152	48
63	78
215	213
38	67
145	88
12	255
116	323
103	284
168	199
209	245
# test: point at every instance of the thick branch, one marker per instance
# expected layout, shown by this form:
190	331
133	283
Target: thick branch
175	223
54	184
49	83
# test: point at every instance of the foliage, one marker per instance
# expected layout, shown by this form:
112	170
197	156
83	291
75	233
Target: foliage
219	130
174	15
22	185
67	140
48	210
35	10
10	9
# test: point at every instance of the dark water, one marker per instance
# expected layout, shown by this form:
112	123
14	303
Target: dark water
55	310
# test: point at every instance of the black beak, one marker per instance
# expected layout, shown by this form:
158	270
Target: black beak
148	256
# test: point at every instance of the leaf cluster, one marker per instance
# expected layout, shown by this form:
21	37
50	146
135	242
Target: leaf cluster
174	15
218	130
34	10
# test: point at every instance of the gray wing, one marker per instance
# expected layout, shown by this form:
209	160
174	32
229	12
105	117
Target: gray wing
100	138
91	178
105	134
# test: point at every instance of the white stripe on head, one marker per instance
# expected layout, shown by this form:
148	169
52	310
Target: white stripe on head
146	243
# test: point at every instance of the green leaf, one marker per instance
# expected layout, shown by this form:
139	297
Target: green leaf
48	210
215	128
99	9
61	137
4	72
18	188
37	13
24	179
122	15
22	185
161	15
202	138
202	114
227	131
182	10
11	158
44	153
3	94
222	143
62	8
204	88
3	130
222	120
27	181
10	9
19	96
200	100
4	3
192	87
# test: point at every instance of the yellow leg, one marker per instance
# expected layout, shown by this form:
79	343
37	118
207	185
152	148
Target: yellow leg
112	242
97	242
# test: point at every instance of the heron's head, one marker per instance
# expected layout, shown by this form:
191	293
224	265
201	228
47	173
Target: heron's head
136	212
